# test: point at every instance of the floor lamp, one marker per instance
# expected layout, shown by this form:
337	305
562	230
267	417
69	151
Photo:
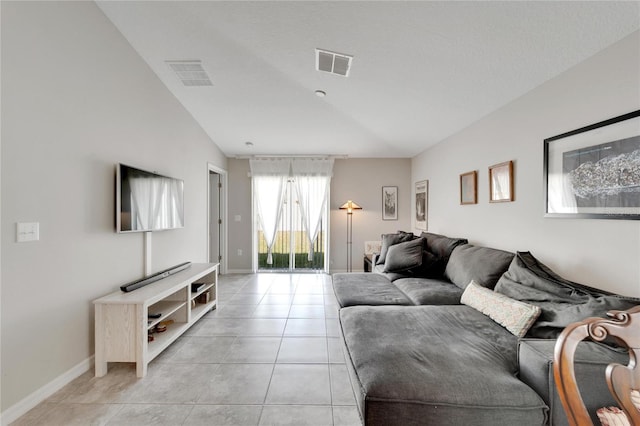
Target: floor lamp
350	206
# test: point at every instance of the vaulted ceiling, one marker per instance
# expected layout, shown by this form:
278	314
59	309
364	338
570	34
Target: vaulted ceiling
421	70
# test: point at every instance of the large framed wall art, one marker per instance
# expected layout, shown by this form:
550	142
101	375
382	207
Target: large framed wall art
594	172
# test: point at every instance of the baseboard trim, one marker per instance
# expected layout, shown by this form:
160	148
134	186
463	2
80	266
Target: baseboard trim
239	271
21	408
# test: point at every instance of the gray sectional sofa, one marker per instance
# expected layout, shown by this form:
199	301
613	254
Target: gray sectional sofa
417	355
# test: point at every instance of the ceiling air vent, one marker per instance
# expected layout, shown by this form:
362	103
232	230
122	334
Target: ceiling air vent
333	62
190	73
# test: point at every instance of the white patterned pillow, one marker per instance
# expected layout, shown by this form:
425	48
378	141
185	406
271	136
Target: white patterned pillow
612	416
514	315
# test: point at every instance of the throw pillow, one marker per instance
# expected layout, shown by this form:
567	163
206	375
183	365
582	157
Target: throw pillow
515	316
404	256
389	240
432	266
562	301
484	265
442	246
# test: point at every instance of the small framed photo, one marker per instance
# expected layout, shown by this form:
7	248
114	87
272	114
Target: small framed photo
594	172
422	204
389	203
469	188
501	182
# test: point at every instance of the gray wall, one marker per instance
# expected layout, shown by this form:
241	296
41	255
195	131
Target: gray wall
360	180
239	205
76	100
600	253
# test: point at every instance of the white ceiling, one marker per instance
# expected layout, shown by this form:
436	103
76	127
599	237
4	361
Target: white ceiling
421	72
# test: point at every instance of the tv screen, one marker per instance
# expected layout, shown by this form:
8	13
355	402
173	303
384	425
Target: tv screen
147	201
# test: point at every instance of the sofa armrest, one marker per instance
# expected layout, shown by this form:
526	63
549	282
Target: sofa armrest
535	362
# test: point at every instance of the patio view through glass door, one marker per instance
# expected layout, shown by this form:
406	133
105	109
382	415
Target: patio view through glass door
290	205
291	244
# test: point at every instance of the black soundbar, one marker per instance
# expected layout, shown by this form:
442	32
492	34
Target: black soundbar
155	277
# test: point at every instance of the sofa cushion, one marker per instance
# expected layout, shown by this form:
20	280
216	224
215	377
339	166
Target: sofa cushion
515	316
426	291
391	276
535	359
361	288
483	265
442	246
562	301
441	365
389	240
404	256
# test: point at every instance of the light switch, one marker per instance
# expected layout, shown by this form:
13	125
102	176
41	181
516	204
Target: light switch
27	232
237	218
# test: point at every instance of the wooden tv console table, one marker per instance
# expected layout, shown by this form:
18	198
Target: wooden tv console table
123	321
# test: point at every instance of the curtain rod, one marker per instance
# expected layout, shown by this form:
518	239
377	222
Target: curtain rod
245	157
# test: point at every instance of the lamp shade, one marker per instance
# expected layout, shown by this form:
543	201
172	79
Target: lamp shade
349	206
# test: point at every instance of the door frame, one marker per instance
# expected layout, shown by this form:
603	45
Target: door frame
223	215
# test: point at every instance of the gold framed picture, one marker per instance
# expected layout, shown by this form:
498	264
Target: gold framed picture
501	182
469	188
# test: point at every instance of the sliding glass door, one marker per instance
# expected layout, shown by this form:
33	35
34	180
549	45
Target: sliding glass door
293	248
291	206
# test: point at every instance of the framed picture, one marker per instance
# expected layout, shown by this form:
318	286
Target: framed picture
389	203
594	172
469	188
422	204
501	182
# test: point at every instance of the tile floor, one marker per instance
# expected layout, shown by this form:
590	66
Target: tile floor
269	355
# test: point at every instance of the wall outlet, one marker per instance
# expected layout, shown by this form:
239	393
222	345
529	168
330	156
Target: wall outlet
27	232
237	218
239	252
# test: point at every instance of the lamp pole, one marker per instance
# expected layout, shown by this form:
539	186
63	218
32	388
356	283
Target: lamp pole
349	240
350	206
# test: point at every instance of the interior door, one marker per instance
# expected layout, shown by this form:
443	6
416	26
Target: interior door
215	217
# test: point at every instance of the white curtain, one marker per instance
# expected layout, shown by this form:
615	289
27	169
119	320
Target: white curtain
170	215
155	203
145	201
269	179
313	178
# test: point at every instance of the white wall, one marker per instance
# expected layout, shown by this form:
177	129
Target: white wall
600	253
76	100
358	179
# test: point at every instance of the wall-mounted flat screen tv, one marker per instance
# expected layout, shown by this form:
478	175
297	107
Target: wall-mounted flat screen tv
147	201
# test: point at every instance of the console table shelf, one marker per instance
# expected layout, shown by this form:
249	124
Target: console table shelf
165	308
122	323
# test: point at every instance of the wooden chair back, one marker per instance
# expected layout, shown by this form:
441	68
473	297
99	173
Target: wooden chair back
624	326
